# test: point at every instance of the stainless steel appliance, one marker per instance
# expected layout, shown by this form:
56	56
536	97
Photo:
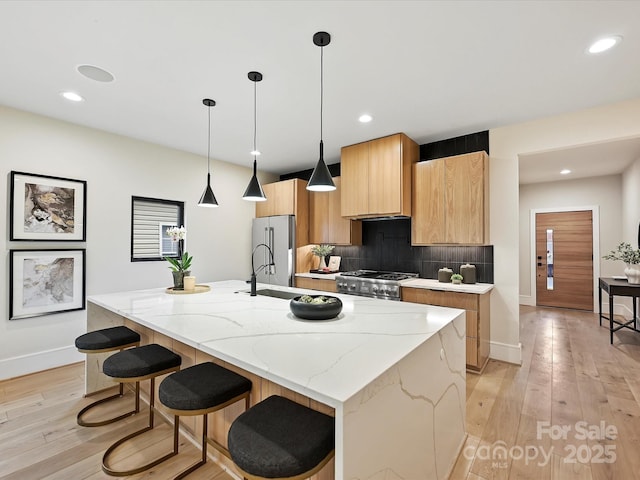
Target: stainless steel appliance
371	283
279	234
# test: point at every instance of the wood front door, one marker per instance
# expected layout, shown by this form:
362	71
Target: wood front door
564	260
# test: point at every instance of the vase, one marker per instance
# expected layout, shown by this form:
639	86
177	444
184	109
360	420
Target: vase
323	264
632	271
178	279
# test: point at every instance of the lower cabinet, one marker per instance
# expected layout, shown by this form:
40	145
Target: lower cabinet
316	284
477	314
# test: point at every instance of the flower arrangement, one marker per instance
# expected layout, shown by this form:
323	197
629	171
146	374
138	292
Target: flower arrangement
322	250
456	278
183	262
626	253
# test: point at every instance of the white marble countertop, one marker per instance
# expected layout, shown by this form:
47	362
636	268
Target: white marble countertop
432	284
319	276
329	360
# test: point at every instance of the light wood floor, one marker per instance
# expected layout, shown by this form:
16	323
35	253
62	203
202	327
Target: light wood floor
569	374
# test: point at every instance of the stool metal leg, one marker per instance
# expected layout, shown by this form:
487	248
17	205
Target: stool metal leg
120	394
203	459
122	473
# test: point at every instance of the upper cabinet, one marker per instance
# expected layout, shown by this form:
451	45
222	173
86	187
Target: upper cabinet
326	225
451	201
376	177
288	197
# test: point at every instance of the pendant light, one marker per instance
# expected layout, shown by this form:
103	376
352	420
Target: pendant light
321	180
208	199
254	192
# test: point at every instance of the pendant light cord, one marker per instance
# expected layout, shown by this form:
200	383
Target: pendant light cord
321	87
255	118
209	143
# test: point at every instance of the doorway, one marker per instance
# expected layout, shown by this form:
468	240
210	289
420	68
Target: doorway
564	259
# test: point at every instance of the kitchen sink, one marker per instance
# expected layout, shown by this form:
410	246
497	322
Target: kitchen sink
267	292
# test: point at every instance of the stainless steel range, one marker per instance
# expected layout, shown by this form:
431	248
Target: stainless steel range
370	283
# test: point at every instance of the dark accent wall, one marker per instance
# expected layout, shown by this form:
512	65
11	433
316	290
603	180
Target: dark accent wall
334	169
474	142
387	246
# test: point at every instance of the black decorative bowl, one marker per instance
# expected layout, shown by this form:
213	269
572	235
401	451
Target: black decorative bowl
316	311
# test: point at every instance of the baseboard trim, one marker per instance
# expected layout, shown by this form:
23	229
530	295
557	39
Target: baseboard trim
527	300
506	352
38	361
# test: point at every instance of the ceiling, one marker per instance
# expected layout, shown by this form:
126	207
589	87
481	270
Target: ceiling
431	69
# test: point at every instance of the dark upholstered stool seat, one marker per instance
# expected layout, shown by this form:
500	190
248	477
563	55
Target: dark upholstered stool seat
278	438
140	362
107	339
200	390
102	341
135	365
201	387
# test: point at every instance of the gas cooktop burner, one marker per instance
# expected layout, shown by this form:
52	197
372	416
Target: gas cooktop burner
371	283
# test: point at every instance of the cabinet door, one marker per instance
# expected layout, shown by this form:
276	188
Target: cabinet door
320	216
385	175
354	171
428	218
280	199
465	200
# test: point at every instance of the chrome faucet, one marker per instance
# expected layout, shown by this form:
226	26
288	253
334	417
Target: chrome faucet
261	267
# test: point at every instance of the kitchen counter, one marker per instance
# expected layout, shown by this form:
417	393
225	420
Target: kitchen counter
432	284
370	361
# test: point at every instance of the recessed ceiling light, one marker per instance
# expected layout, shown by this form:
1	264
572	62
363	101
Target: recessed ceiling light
73	96
604	44
565	171
95	73
366	118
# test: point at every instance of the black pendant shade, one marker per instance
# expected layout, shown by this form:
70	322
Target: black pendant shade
208	199
320	180
254	192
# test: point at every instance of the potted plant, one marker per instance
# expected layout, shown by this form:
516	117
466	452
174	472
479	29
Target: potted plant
322	251
179	266
631	257
456	278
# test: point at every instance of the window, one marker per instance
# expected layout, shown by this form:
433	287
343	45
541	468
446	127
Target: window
150	218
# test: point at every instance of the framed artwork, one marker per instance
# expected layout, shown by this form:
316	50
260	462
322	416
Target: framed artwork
45	208
46	281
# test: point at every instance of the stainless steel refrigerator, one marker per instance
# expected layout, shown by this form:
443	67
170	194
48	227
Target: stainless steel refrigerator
279	234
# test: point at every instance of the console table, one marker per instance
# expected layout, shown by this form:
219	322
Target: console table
622	288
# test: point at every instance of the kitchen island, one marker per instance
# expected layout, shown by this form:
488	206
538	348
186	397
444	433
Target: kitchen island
391	373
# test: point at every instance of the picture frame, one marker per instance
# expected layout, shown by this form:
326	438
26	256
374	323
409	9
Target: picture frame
47	208
43	282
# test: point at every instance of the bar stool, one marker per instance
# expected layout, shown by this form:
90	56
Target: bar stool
106	340
281	439
199	390
135	365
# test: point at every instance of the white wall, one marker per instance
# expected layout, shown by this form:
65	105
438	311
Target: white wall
115	168
604	192
631	203
614	121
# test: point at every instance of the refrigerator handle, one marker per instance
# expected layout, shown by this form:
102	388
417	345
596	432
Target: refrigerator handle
272	268
265	253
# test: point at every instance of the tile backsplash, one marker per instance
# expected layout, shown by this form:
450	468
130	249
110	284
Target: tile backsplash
387	246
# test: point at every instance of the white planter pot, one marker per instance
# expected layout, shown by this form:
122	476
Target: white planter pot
633	273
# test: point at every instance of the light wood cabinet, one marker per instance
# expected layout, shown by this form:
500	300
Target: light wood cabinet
451	200
376	177
477	309
288	197
325	285
326	225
